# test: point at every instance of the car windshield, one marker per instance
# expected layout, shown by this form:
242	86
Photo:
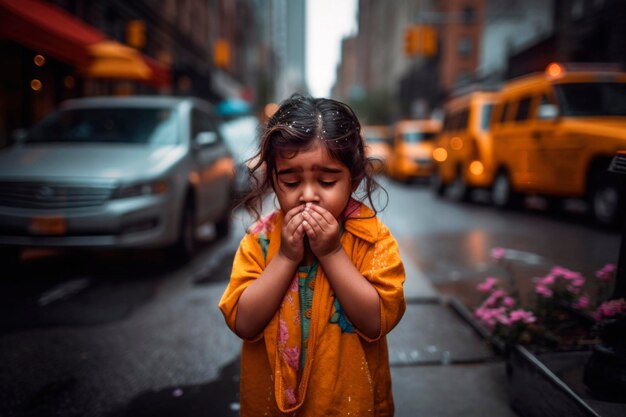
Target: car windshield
154	126
592	99
414	137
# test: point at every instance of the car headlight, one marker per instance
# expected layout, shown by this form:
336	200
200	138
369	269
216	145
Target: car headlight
141	189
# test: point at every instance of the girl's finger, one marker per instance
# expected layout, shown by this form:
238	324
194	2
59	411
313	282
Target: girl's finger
299	232
293	212
310	231
310	216
319	218
313	222
294	222
326	215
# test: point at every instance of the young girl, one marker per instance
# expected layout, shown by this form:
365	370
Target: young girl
316	285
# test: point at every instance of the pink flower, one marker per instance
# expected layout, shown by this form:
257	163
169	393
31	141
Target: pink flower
566	273
486	316
503	319
606	272
508	302
573	289
522	315
581	303
487	285
547	280
494	297
610	308
498	253
543	290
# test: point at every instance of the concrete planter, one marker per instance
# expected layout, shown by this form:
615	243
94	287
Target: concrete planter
544	384
551	384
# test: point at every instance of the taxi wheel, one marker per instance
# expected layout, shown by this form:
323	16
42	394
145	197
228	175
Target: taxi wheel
185	247
605	200
502	194
437	185
459	190
554	205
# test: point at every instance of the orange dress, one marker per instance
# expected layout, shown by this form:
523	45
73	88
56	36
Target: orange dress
344	372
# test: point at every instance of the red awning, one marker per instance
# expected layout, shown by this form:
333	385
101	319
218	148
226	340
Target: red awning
50	30
161	75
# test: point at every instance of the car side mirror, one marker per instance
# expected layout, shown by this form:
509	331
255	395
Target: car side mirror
203	139
548	112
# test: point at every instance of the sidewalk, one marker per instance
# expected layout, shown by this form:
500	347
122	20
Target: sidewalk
440	367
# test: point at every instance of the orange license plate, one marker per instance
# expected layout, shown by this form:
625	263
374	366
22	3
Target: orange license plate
48	225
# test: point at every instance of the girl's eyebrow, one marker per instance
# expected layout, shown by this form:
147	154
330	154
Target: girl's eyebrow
289	171
331	170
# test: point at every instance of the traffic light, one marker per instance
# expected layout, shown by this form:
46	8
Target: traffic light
136	33
411	40
429	41
221	53
420	40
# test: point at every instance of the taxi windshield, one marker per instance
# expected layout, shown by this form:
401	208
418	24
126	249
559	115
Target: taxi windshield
154	126
414	137
592	99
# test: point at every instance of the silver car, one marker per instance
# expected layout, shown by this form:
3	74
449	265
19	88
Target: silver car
117	172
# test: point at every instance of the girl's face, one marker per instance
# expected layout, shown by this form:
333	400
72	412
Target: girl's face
312	176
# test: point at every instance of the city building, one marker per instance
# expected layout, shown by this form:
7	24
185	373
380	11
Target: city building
401	72
55	50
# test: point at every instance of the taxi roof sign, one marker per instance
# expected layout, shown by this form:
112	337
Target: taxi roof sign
558	69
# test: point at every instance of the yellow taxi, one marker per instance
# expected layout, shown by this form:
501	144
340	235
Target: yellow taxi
463	152
377	144
412	148
555	133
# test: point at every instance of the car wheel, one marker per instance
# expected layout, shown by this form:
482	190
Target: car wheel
554	205
605	201
502	193
436	184
459	190
185	246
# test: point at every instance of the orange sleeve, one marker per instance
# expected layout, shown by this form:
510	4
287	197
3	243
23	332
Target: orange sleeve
383	267
248	265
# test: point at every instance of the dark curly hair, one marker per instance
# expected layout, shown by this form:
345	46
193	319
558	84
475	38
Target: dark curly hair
300	123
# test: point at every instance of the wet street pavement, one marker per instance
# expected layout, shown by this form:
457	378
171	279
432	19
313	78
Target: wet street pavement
129	334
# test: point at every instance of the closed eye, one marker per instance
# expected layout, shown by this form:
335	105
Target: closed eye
328	183
293	184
